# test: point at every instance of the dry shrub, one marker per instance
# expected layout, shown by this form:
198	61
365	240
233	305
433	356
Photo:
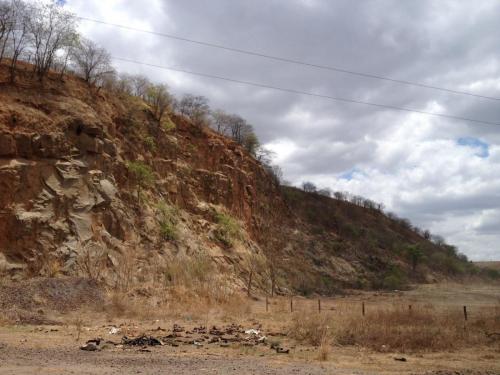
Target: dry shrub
310	328
405	331
396	329
324	351
192	287
195	285
125	269
45	264
91	261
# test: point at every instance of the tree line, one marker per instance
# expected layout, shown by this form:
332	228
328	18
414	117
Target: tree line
367	203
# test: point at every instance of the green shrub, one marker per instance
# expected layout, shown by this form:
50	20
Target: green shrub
168	230
394	279
228	230
168	221
492	274
167	124
415	255
150	144
142	175
447	263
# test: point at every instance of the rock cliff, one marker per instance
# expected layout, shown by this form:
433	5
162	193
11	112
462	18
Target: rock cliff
70	201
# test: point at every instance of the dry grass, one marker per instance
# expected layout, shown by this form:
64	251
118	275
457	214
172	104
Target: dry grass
392	329
324	351
312	329
190	287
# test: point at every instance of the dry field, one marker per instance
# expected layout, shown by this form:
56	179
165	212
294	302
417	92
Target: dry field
432	337
494	265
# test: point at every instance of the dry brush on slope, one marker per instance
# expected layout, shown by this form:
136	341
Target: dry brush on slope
92	184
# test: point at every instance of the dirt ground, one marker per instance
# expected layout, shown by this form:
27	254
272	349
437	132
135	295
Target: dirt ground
28	349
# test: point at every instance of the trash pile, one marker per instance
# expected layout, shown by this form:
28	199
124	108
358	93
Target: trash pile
198	336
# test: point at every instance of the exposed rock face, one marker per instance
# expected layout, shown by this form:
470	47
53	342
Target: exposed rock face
65	189
67	196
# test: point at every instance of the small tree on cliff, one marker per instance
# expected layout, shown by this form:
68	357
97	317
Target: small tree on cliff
158	97
91	61
195	107
142	176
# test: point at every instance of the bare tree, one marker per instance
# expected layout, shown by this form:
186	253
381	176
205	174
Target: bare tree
327	192
6	25
236	128
124	84
249	139
265	155
91	61
194	107
16	33
275	172
140	86
309	187
51	28
221	121
159	99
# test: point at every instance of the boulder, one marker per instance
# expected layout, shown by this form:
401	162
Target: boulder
89	144
7	145
109	147
45	145
24	146
78	126
107	190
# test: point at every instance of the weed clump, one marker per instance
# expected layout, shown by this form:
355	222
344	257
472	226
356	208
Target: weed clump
168	221
312	329
142	175
228	230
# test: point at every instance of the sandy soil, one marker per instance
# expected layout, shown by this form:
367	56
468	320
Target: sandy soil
28	349
54	350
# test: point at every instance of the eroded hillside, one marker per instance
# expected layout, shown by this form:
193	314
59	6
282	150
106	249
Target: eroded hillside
91	183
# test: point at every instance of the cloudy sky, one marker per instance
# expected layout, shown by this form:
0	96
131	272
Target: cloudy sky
442	174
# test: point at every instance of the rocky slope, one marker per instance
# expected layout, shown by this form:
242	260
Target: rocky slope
70	203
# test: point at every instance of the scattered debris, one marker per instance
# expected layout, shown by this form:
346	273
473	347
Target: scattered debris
401	359
89	347
198	337
281	350
252	332
141	341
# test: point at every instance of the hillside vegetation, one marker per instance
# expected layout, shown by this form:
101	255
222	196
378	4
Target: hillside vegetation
92	185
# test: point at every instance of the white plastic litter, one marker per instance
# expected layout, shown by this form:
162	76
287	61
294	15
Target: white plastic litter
253	332
114	330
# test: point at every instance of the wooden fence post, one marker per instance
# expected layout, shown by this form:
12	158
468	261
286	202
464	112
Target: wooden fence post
465	313
319	305
291	304
363	308
409	308
267	303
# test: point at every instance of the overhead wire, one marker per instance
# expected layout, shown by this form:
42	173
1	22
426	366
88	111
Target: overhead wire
306	93
290	60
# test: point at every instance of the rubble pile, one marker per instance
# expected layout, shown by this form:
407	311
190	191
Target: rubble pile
200	336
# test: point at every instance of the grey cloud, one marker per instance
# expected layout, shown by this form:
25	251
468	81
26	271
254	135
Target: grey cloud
443	43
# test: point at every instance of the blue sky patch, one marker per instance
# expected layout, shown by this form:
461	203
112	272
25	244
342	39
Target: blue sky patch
482	148
348	175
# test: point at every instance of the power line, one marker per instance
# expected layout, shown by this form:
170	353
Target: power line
299	92
291	61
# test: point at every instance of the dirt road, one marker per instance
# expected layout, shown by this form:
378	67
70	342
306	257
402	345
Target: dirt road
159	361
